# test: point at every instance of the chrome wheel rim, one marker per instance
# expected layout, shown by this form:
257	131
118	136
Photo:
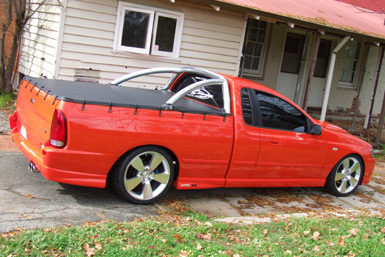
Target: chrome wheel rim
348	175
147	175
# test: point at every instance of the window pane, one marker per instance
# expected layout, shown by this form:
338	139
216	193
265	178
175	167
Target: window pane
278	114
209	95
135	29
292	56
349	62
165	34
246	107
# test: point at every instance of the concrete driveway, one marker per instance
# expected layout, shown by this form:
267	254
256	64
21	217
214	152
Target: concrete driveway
28	200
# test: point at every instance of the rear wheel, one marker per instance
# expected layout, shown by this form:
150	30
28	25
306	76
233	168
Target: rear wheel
145	175
345	176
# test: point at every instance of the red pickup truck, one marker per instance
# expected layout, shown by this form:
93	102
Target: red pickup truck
200	130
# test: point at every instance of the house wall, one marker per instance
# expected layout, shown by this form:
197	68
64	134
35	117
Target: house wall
39	42
210	40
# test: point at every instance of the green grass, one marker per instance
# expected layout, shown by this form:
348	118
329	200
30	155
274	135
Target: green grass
198	235
7	101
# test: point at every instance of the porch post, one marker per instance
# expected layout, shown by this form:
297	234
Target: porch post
314	55
330	77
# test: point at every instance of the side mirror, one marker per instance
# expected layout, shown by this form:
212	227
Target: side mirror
316	130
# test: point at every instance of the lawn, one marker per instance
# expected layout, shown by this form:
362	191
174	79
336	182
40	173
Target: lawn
192	234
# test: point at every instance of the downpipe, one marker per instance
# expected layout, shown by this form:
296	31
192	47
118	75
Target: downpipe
32	168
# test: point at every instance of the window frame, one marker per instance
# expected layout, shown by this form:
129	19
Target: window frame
150	48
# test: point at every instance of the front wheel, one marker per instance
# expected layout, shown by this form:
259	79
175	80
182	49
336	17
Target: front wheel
144	175
345	176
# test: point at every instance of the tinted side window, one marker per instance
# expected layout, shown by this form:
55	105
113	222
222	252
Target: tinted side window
279	114
211	95
246	107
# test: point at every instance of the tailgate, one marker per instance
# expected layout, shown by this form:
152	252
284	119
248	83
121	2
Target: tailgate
34	113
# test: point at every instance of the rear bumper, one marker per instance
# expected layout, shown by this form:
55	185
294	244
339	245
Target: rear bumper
48	159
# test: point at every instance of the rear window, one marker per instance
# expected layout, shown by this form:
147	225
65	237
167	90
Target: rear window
209	95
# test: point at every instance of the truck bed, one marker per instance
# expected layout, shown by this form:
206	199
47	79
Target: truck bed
110	95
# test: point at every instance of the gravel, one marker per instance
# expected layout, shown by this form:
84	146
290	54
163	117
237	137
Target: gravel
4	123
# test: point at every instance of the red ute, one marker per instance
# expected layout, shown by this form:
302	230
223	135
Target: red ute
201	130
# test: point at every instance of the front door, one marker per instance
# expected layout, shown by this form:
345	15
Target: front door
291	65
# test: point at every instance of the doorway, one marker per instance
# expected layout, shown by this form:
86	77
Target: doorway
319	78
288	78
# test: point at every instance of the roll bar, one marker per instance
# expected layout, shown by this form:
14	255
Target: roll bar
214	79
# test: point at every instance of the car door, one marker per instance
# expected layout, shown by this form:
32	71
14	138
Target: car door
287	149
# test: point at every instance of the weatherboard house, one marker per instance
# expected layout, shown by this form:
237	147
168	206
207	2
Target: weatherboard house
326	55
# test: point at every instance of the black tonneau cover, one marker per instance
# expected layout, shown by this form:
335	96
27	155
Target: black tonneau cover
109	95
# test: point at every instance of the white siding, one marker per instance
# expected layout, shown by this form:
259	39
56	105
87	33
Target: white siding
210	40
39	42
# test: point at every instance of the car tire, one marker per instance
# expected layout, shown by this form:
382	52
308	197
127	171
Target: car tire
144	175
346	176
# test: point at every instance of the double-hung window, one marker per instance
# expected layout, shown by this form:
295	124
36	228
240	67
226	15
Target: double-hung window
349	64
148	30
254	49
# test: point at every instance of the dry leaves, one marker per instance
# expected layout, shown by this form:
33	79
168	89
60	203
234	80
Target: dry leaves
341	241
316	236
183	253
89	250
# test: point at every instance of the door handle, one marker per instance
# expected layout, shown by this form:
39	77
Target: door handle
275	142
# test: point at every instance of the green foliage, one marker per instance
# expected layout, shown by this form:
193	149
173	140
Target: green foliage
7	101
194	234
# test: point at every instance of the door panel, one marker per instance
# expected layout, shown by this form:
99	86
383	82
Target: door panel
246	141
289	155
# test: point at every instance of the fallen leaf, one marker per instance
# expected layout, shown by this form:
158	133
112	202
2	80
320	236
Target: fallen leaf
206	236
306	232
199	247
383	230
30	196
316	235
316	248
353	232
236	255
98	246
341	241
89	250
183	253
163	240
208	224
265	232
177	237
288	252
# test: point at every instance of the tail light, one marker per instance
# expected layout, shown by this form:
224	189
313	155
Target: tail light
58	130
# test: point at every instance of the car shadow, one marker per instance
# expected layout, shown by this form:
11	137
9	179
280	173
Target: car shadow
90	196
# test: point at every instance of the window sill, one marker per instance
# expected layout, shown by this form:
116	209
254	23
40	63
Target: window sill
252	76
147	56
346	86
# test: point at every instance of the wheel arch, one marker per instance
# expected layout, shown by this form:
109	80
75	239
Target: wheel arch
123	156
